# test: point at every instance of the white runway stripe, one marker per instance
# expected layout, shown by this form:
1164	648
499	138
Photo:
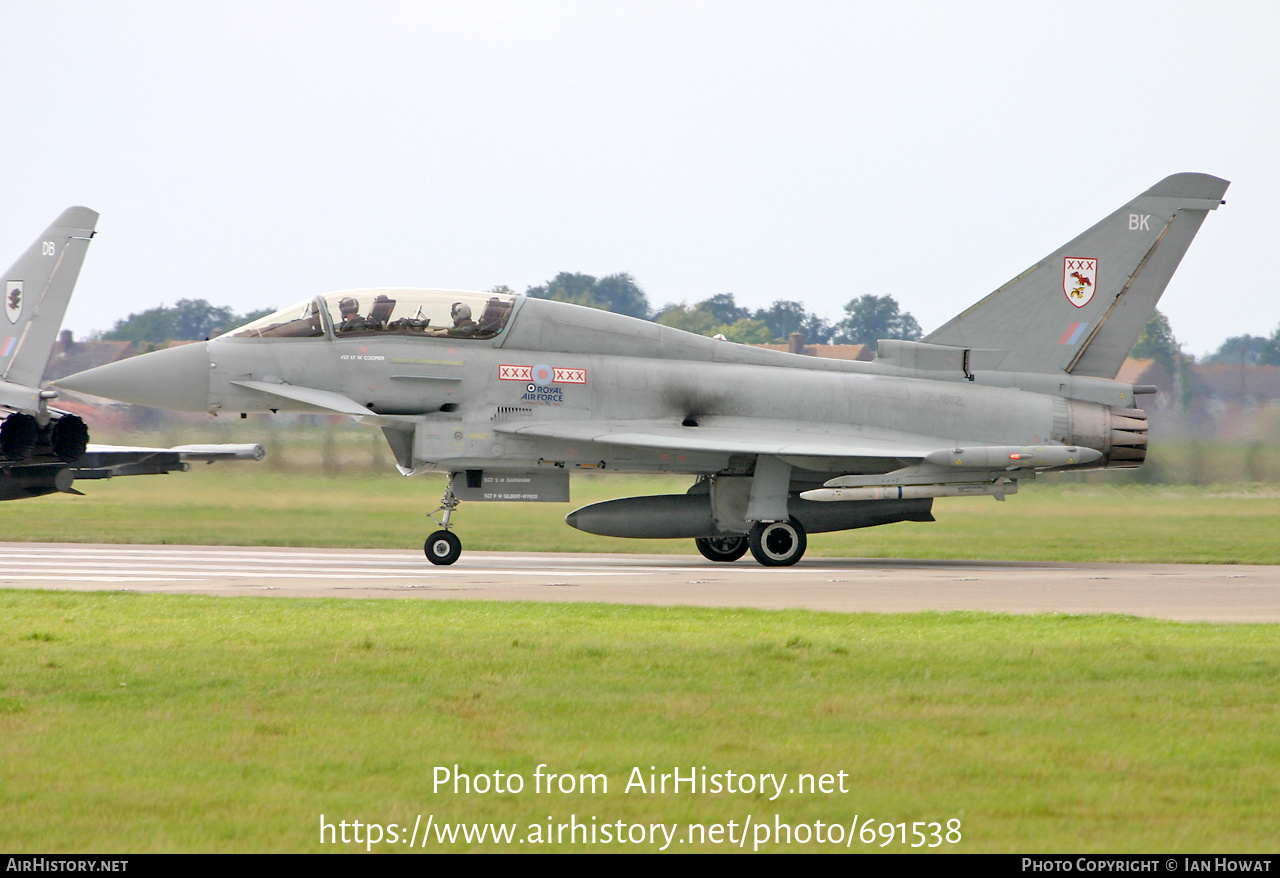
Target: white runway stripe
243	565
203	558
166	563
1213	593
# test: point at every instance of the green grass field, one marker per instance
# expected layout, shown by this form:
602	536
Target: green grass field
249	504
142	723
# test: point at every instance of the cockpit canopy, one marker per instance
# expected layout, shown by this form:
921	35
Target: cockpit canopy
420	313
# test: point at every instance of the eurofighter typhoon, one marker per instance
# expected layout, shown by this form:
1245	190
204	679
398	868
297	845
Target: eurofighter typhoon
509	395
44	450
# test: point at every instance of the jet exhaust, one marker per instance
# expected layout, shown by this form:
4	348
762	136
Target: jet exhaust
1127	445
1119	433
18	437
68	438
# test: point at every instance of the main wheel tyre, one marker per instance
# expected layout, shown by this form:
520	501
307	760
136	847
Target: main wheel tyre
723	549
442	547
777	543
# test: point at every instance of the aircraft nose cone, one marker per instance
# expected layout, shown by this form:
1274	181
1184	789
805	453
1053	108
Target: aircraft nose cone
175	378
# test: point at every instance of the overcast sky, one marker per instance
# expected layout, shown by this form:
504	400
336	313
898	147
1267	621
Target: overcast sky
257	153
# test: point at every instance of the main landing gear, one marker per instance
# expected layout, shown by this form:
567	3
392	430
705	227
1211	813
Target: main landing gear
443	547
723	549
772	543
777	543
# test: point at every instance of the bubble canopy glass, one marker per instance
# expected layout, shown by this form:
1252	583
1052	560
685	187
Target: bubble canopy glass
420	313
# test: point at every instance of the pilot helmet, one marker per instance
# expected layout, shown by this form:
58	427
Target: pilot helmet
348	305
460	311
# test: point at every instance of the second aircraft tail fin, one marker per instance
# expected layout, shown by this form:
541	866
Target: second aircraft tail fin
1080	309
36	292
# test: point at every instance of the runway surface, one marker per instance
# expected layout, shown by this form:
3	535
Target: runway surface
1185	592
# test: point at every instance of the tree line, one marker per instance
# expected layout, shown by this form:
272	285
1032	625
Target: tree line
1249	350
186	320
865	319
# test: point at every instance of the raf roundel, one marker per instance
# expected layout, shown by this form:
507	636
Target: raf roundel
542	374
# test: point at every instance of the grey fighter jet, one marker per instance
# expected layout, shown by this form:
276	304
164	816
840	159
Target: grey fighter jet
509	395
44	450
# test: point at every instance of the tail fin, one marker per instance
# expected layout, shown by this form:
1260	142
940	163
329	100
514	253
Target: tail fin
1080	309
36	292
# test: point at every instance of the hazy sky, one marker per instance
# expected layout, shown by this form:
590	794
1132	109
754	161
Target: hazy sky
257	153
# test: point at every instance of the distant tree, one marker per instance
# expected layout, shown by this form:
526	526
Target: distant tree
818	331
187	320
691	319
250	316
196	318
745	331
1247	349
1156	342
785	317
723	309
154	324
1270	355
721	314
567	287
618	293
874	317
621	294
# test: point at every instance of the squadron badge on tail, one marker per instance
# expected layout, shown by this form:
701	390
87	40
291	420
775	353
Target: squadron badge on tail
1079	277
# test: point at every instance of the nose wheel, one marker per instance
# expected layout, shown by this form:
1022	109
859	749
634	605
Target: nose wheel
443	547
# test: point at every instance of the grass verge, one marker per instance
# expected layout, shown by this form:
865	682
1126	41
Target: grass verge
246	505
179	723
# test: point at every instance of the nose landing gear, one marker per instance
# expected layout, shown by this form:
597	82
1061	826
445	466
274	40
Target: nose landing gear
443	547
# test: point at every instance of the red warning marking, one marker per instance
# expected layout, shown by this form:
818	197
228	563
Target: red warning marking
570	376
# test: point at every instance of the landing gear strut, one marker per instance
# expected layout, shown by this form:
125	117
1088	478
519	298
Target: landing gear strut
724	549
443	547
